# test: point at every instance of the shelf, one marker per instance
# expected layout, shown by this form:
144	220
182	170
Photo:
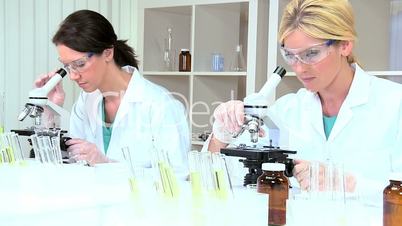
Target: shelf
223	73
167	73
199	73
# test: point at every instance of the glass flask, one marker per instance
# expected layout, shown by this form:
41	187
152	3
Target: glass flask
238	62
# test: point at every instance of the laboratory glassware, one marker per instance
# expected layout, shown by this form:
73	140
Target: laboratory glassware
274	183
392	201
168	56
185	60
238	62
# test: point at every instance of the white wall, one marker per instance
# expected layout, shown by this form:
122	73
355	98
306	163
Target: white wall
26	50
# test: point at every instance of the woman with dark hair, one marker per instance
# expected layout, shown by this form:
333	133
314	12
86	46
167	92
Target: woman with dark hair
117	107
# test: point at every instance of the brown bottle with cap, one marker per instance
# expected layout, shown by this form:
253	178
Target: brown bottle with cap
392	198
185	60
274	183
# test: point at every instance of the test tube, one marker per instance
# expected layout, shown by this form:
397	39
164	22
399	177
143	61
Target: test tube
7	146
220	181
166	181
132	179
16	145
195	174
56	150
207	175
35	147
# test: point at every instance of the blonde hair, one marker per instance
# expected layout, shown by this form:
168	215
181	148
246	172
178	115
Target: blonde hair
321	19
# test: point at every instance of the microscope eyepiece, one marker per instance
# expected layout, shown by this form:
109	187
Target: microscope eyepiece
280	71
61	72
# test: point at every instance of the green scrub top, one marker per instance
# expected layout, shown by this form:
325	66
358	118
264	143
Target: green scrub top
107	130
328	124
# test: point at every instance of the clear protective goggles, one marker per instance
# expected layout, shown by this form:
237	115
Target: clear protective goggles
310	56
78	65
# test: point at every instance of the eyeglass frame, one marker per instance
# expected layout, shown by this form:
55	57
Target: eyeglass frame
70	67
297	56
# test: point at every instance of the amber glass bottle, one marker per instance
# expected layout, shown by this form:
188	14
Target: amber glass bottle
392	212
274	182
185	60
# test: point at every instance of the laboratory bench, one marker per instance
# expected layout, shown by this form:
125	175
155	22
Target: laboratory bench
45	194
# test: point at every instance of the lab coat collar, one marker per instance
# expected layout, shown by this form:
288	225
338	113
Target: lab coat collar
135	89
359	90
134	93
358	95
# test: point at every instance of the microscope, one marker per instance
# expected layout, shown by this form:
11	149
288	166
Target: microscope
38	100
255	116
35	106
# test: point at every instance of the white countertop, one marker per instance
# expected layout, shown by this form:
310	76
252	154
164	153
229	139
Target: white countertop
100	196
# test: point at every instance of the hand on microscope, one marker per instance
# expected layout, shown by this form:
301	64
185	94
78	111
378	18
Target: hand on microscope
57	94
302	174
229	117
81	150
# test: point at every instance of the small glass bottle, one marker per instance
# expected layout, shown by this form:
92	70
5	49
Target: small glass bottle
185	60
274	183
392	198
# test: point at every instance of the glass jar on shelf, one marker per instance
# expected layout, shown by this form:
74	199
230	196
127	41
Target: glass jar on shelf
185	60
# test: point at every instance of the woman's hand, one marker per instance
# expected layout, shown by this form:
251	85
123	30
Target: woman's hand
229	117
57	94
83	150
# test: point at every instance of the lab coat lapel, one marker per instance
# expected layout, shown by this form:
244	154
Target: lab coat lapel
134	93
314	112
358	95
93	107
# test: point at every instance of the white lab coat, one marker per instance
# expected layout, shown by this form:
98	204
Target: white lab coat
366	136
147	112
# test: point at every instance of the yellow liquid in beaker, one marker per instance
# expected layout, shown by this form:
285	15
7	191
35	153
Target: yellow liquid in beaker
221	186
168	179
195	179
133	185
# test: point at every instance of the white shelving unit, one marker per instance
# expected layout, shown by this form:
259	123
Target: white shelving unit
210	26
205	27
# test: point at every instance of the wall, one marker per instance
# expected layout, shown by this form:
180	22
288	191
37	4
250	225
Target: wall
26	50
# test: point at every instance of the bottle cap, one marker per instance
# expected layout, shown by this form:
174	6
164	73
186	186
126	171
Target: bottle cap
270	166
396	176
184	50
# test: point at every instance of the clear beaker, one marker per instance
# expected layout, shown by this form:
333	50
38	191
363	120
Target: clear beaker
327	180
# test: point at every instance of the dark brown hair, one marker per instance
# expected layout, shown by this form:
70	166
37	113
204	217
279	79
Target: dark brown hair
89	31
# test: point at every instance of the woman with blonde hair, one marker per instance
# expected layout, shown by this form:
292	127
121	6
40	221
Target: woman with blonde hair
342	114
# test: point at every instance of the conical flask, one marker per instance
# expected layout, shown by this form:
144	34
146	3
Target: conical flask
238	62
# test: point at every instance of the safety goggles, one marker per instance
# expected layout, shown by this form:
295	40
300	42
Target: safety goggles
310	56
78	65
